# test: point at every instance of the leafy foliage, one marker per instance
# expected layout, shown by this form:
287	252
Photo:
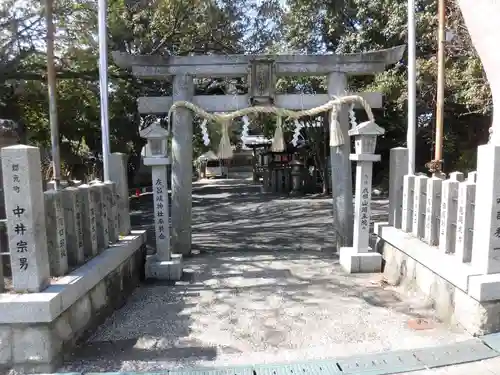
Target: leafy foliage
182	27
362	25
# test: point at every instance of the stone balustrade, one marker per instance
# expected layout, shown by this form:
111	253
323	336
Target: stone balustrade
436	210
443	237
50	233
73	259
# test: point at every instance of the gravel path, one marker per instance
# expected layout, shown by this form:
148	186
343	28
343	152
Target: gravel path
264	286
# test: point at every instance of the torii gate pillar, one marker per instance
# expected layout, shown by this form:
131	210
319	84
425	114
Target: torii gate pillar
182	170
342	197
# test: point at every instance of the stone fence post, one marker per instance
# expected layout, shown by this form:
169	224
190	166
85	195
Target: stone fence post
486	238
24	204
118	174
112	203
449	208
56	233
398	168
89	221
72	206
8	137
97	190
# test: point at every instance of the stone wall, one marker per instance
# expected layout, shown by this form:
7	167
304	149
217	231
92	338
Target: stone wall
453	305
443	237
40	347
73	259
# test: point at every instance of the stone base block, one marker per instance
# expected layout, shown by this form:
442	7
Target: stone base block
38	329
485	287
458	294
354	262
164	269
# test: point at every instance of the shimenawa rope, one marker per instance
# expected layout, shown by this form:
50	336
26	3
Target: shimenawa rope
224	119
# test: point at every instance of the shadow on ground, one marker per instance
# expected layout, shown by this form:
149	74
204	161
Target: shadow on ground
265	287
233	215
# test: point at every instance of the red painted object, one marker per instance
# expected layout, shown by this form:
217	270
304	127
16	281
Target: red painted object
137	192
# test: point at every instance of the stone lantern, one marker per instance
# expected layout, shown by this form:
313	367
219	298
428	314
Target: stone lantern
365	137
297	180
360	257
156	150
162	265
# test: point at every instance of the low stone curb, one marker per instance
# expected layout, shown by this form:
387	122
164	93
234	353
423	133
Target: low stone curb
385	363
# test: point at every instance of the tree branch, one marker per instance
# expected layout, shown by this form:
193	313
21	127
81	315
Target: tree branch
90	75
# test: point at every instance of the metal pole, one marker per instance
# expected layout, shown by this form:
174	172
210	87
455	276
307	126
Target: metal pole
103	83
438	152
51	83
412	88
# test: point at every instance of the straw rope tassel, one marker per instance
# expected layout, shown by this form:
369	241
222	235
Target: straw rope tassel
336	135
278	144
225	150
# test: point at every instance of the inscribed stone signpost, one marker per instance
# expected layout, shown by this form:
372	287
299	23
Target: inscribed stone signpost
486	239
89	221
398	169
105	212
465	220
419	202
118	174
448	219
432	210
407	208
24	204
163	264
78	217
56	233
110	196
360	257
161	211
101	217
79	227
72	219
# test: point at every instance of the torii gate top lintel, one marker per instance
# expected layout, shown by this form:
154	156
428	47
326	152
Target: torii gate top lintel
156	66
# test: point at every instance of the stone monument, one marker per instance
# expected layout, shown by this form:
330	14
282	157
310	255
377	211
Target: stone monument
360	257
9	131
22	181
162	265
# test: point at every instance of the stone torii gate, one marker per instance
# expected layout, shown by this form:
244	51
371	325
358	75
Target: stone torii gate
262	71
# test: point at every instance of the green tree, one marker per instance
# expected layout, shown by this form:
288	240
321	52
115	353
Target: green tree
168	27
362	25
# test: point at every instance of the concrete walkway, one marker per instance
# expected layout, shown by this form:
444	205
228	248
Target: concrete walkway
264	286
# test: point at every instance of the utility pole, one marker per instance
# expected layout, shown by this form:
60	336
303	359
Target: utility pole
438	152
103	83
51	83
412	88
